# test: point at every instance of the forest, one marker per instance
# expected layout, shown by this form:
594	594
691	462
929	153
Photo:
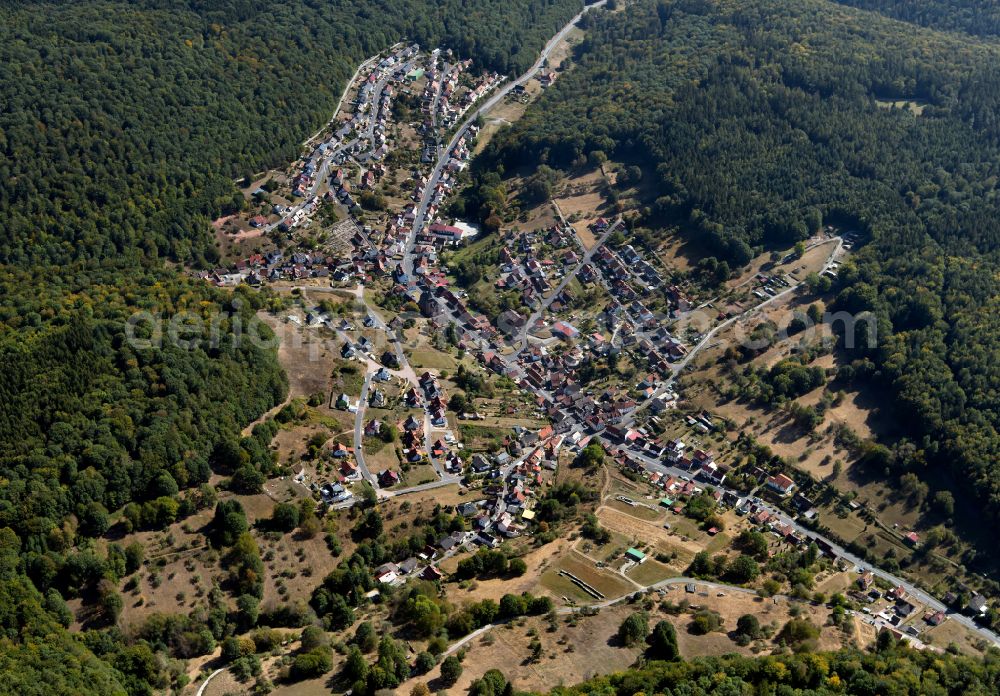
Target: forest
124	125
976	17
91	421
754	123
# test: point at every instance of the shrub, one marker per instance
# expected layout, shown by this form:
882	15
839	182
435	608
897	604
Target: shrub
705	621
285	517
748	625
799	634
663	642
312	664
425	662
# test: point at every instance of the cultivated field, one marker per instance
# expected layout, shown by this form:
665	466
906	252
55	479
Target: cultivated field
564	590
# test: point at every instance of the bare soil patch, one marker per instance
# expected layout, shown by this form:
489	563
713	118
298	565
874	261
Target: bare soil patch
678	253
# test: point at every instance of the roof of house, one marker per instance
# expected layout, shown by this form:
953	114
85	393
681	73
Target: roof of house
781	482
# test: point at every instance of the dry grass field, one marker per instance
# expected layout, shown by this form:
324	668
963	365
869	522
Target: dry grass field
581	199
570	654
575	648
181	566
604	580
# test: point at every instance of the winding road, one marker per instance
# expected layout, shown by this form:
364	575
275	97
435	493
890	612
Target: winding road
578	608
405	371
343	97
210	677
656	465
706	340
856	561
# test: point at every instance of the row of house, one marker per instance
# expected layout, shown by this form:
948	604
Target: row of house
257	269
455	103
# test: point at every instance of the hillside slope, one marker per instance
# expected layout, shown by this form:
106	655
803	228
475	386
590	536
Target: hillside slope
976	17
755	121
122	128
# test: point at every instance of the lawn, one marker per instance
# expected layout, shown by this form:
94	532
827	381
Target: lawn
431	359
638	511
650	571
373	445
480	438
609	551
483	243
629	489
335	421
381	459
685	526
421	473
836	582
561	586
347	377
847	528
717	543
684	555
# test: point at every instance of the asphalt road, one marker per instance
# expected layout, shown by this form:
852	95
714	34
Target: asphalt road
705	341
210	677
343	97
895	580
324	169
359	424
405	370
656	465
438	90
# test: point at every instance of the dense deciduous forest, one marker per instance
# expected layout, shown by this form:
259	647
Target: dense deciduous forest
123	126
977	17
889	670
755	121
37	654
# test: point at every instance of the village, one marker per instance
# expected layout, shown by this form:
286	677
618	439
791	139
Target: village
388	259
